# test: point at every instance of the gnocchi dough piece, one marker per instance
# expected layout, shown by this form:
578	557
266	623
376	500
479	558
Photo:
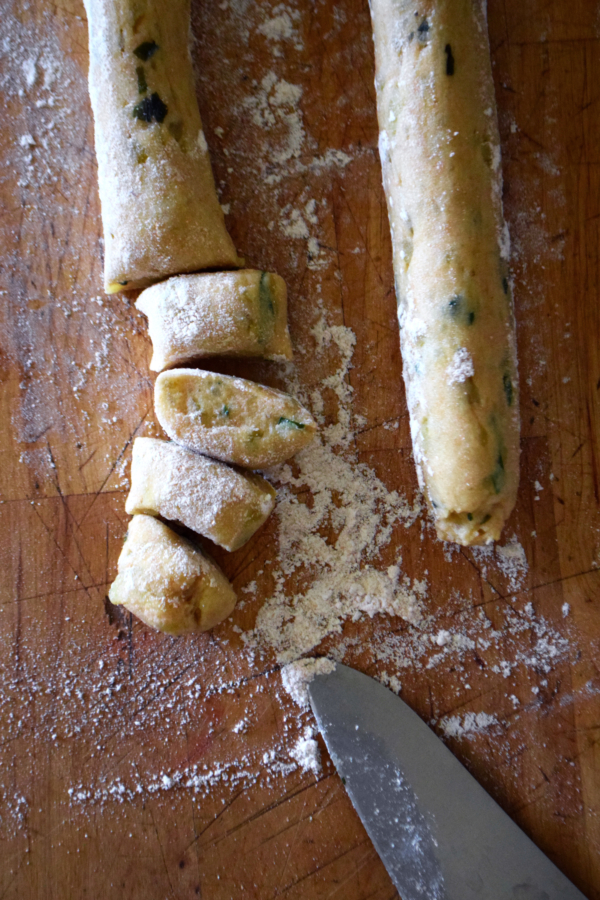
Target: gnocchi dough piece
160	210
222	314
231	419
212	499
440	154
168	582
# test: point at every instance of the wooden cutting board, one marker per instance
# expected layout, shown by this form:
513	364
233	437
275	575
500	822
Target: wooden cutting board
133	765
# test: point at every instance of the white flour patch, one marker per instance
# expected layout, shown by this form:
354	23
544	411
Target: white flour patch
510	559
461	367
306	752
281	28
275	108
296	677
468	726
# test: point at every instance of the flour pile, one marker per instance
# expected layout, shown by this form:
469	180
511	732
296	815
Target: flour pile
347	497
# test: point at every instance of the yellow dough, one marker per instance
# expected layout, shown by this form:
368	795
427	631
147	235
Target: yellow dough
222	314
209	497
231	419
160	210
440	154
167	582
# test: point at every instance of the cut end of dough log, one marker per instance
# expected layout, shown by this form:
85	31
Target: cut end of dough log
160	210
168	582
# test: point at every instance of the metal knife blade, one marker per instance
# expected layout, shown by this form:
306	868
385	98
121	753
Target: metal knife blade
438	833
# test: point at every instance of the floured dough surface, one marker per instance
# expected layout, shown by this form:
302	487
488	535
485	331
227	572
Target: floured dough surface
217	314
209	497
160	210
232	419
167	582
440	155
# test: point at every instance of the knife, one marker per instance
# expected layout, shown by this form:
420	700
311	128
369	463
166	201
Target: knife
438	833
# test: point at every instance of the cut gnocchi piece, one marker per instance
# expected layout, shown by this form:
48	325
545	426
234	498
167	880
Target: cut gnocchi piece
168	582
160	210
231	419
217	314
208	497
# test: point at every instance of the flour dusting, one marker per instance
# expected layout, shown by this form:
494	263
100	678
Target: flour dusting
467	725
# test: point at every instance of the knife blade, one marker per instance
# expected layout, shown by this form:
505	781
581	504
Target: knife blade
437	831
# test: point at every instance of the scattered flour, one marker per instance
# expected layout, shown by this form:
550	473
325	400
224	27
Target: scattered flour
343	577
281	28
296	677
275	108
306	752
510	559
468	725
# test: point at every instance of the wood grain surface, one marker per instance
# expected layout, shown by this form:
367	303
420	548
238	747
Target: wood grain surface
98	716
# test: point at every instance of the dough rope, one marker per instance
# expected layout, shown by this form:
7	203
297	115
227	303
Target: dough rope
160	210
440	154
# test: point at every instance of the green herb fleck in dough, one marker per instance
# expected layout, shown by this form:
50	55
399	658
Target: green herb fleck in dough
146	50
225	410
290	423
508	388
264	293
457	308
141	77
423	27
485	519
470	517
486	152
505	284
122	283
266	305
176	129
449	60
498	476
150	109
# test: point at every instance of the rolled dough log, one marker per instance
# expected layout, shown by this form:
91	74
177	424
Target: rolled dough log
440	154
212	499
168	582
222	314
160	210
232	419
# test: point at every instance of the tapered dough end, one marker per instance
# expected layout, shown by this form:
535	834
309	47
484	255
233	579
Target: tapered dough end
167	582
241	313
473	529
